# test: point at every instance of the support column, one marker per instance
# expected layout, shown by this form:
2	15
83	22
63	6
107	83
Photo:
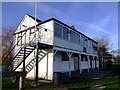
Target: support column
36	79
98	62
47	67
102	63
93	61
24	58
80	62
88	62
22	79
69	55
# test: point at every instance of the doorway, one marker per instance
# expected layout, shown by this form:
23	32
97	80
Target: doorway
76	63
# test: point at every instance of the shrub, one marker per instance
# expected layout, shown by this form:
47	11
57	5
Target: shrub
108	64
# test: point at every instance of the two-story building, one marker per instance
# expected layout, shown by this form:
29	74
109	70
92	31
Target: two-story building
62	48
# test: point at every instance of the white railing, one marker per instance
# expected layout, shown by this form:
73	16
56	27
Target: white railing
41	35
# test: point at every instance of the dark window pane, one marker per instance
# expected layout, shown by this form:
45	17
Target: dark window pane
57	30
72	36
65	57
84	49
95	48
77	37
65	33
86	59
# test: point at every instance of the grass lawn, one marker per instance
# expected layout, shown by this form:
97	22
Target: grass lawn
110	82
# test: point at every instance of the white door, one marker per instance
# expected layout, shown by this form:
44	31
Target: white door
76	63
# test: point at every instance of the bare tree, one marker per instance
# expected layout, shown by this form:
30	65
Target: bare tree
116	54
103	49
7	43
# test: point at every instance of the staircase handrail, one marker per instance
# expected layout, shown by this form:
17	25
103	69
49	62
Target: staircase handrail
13	49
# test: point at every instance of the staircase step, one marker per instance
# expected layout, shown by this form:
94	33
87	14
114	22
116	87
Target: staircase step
19	57
43	51
32	63
20	54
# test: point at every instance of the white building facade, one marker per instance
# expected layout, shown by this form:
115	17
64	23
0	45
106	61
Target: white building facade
62	49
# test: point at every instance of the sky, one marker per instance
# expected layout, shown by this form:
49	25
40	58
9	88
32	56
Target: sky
94	19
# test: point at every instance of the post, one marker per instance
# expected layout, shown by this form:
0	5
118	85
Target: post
69	67
80	63
69	55
98	62
88	62
21	80
24	58
102	63
47	67
36	79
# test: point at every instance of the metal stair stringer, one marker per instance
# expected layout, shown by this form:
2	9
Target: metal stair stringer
17	60
32	63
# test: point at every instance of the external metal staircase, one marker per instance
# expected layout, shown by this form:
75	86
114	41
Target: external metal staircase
23	51
19	53
17	60
32	63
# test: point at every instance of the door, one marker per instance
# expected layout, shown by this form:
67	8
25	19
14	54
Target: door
76	63
91	59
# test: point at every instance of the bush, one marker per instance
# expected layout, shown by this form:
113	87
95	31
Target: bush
108	64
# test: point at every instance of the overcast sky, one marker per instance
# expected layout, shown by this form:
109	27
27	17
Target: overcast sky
93	19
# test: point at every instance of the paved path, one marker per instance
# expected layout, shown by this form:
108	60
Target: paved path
95	74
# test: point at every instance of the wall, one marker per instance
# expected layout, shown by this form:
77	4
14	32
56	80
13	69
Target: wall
45	66
62	66
67	44
73	46
26	22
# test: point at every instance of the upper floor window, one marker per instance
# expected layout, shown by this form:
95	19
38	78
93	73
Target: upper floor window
84	49
65	33
57	30
72	36
77	37
84	41
94	46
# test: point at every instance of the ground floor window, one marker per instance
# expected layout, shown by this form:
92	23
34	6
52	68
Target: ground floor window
65	56
84	58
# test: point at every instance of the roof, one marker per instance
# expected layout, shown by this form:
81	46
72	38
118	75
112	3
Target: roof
34	18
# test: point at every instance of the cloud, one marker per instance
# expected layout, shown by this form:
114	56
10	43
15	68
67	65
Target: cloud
66	18
96	26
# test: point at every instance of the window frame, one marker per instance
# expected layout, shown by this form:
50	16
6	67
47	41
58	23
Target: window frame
68	31
55	23
64	57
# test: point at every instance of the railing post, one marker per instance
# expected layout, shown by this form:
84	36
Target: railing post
22	80
29	36
37	47
21	38
24	58
25	38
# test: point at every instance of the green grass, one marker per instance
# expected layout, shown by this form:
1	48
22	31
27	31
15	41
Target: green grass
111	82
